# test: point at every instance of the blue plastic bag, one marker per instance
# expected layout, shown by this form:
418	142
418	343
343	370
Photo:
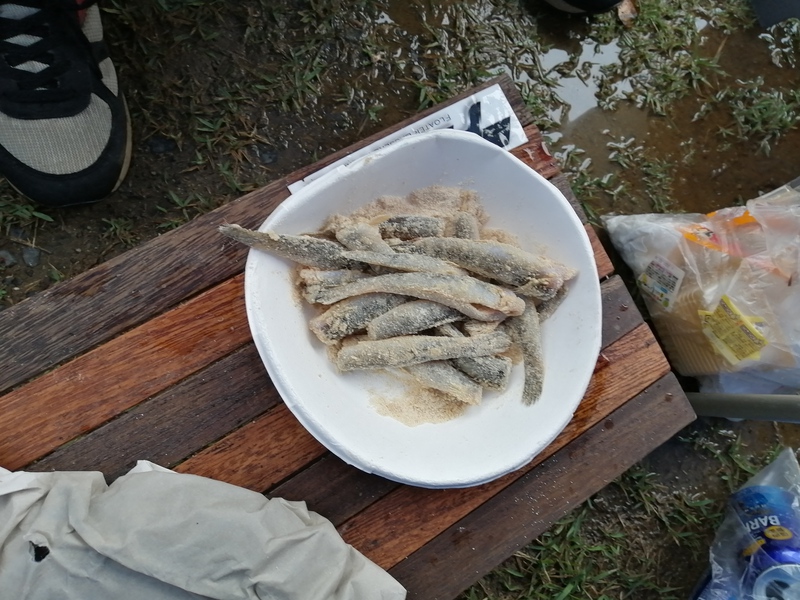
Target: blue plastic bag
756	551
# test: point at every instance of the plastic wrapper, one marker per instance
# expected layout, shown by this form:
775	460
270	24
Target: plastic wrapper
723	290
161	535
487	113
756	551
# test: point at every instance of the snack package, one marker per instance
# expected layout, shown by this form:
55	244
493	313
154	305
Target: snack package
756	551
723	290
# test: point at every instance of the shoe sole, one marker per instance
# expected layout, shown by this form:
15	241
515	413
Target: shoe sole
126	162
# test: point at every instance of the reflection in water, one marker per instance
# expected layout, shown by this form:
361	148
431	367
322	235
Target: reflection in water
580	86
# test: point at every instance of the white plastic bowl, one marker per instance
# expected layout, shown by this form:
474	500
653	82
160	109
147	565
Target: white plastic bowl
492	439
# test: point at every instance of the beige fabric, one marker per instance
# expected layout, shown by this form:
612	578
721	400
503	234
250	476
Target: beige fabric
161	535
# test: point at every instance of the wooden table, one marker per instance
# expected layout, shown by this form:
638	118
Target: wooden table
149	356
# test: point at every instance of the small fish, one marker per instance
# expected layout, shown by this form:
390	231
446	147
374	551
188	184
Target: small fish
473	327
363	236
529	274
407	227
473	297
492	372
312	281
466	226
411	317
329	278
414	349
548	307
303	249
441	375
411	263
526	332
351	315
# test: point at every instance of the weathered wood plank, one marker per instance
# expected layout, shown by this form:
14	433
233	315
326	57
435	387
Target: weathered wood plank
601	259
258	455
476	544
149	279
176	423
335	489
124	292
88	391
623	370
620	315
535	155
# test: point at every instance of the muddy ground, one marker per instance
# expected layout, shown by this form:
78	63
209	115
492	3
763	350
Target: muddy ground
692	108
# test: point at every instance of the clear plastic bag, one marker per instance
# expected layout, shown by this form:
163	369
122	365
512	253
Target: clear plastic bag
756	550
723	290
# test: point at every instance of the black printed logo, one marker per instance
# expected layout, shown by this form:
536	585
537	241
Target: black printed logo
498	133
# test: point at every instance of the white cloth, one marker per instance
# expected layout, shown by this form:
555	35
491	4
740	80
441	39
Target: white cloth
162	535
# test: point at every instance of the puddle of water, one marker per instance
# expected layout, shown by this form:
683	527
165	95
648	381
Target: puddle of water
580	90
710	172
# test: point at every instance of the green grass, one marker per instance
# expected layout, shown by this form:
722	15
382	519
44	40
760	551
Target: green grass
629	540
17	212
757	112
120	229
783	41
664	57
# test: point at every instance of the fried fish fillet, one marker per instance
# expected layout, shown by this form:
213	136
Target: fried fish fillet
525	330
415	349
473	297
303	249
351	315
527	273
411	317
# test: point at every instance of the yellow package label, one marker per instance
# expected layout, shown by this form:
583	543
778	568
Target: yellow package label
734	335
700	234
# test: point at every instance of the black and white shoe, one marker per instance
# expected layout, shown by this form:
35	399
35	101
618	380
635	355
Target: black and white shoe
64	127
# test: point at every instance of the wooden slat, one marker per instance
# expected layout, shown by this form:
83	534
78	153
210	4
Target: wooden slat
476	544
90	390
535	155
601	259
73	316
260	454
335	489
176	423
624	369
80	313
620	315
